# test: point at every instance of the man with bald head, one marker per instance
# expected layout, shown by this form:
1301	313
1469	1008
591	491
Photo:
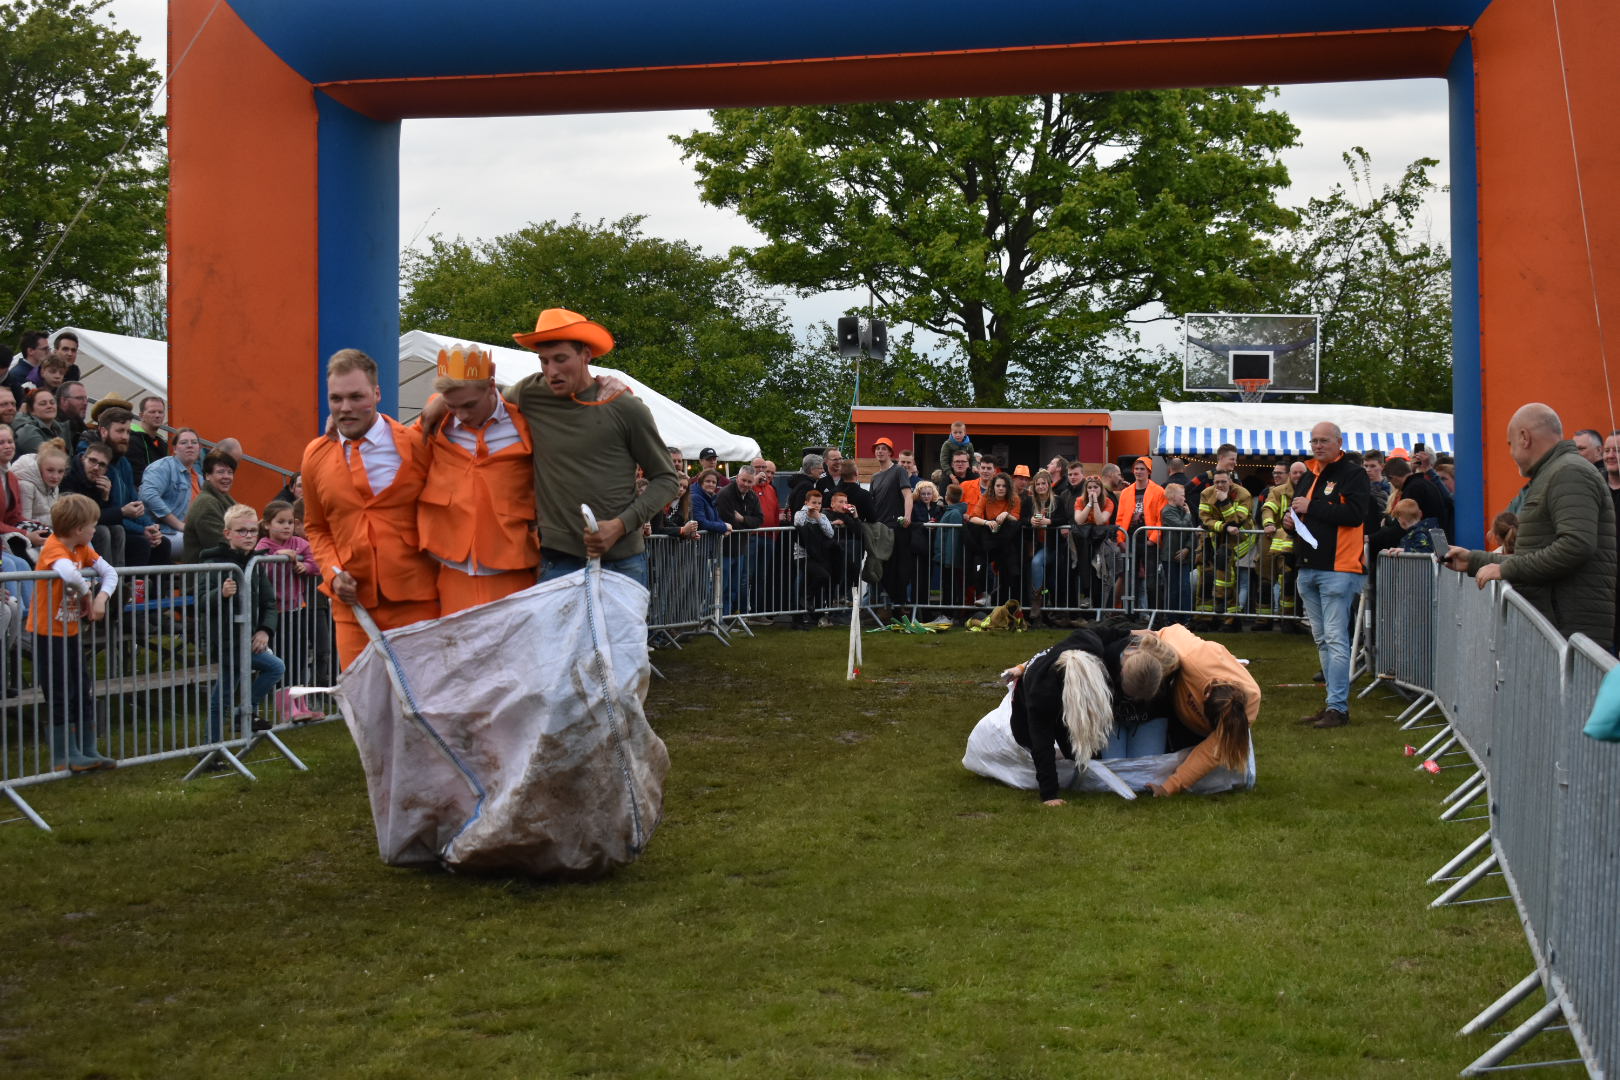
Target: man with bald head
1331	501
1564	559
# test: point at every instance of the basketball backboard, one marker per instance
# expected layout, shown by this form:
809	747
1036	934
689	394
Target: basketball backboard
1220	348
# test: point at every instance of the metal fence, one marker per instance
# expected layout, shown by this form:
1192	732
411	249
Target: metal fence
723	583
1515	694
168	674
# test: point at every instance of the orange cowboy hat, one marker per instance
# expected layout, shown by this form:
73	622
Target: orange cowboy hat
560	324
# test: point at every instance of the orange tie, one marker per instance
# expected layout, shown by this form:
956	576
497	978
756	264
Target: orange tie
478	433
357	469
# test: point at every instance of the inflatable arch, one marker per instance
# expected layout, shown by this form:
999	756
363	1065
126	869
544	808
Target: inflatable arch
284	129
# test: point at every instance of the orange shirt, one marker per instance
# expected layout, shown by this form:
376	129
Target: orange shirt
56	610
1204	665
989	508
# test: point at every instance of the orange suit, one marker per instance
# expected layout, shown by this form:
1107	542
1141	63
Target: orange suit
372	537
480	508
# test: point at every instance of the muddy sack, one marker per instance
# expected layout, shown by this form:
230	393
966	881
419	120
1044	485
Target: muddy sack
510	737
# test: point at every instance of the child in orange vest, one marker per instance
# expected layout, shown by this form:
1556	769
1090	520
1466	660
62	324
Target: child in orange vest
60	605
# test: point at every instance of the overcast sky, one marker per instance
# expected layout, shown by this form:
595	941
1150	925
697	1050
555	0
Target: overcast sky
624	163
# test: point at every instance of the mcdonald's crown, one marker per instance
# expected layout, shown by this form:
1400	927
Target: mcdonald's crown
466	362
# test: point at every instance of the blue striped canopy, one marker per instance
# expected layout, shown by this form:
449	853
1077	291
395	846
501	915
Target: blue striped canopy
1266	441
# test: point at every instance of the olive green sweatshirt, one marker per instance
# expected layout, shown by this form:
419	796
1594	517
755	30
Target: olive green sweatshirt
586	451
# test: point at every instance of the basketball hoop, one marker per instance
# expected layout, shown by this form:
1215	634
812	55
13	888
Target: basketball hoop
1251	389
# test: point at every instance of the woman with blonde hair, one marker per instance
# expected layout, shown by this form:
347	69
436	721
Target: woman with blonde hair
1212	695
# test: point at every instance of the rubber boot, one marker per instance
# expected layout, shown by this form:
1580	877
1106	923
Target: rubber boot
82	754
59	748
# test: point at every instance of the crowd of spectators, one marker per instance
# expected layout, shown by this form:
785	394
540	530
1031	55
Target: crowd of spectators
1214	544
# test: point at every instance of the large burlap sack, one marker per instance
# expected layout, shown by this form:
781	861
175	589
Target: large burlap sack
992	751
510	737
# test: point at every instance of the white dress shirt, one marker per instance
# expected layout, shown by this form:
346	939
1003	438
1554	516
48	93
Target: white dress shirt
498	435
380	454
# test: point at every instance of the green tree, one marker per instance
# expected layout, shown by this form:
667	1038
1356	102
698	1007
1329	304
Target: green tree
697	327
1383	288
1026	230
73	105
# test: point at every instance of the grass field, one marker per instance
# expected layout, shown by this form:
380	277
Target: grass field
830	894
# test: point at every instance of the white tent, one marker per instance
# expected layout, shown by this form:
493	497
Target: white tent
678	425
121	366
1198	427
132	367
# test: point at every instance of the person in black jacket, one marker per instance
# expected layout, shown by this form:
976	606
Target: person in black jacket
739	507
1063	704
1333	508
241	538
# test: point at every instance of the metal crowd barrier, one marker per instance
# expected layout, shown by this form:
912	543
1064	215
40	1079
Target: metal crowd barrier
1404	647
722	583
159	673
1515	694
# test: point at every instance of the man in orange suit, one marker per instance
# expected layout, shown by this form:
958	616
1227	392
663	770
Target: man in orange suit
361	486
477	512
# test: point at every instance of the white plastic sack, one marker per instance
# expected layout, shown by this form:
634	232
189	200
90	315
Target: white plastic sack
524	747
992	751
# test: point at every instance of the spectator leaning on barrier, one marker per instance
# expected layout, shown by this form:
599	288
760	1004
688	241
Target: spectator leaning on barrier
891	507
739	508
703	490
1611	473
1224	513
1564	556
832	463
1141	505
811	469
1333	506
1277	544
241	524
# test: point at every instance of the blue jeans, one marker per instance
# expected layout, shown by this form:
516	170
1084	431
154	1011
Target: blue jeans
1148	740
22	590
267	671
1037	571
560	565
1330	600
738	568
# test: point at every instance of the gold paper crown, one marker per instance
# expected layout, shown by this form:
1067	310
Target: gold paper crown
466	363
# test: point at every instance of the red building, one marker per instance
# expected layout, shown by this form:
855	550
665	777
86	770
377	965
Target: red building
1015	436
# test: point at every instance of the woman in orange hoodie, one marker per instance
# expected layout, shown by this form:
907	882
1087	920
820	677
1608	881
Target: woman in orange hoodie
998	516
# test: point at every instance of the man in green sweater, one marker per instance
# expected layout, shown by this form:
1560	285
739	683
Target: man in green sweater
1563	561
588	443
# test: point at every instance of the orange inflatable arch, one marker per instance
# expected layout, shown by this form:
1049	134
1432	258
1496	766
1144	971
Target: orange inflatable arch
284	137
